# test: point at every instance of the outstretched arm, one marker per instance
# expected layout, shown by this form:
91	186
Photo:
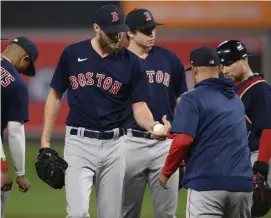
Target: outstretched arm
143	116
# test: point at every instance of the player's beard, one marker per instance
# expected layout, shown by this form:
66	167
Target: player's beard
107	43
239	78
236	78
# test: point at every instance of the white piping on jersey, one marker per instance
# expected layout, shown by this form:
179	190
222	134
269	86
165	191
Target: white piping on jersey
3	56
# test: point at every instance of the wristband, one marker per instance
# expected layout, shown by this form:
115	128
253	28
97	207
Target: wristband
4	165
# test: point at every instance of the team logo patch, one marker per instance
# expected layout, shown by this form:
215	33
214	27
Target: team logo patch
115	16
148	16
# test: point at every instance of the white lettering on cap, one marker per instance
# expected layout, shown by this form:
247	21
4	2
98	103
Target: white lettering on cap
240	47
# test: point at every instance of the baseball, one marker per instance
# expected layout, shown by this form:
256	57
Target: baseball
158	127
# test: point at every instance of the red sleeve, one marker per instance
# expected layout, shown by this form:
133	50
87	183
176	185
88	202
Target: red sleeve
4	165
265	146
169	135
179	147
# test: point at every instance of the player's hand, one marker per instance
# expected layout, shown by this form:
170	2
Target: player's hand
162	134
23	183
6	181
167	125
163	180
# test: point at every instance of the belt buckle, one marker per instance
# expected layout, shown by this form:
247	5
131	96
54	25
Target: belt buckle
98	135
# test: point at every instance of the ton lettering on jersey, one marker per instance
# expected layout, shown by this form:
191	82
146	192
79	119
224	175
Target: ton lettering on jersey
158	77
107	83
6	77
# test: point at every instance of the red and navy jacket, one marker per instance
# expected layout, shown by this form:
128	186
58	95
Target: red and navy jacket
256	96
209	132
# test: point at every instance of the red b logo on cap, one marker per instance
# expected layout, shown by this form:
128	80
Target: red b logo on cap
115	16
147	15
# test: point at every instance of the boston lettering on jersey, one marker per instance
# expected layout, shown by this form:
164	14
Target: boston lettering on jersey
99	89
107	83
167	82
14	96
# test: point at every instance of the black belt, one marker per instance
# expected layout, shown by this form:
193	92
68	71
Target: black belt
141	134
98	135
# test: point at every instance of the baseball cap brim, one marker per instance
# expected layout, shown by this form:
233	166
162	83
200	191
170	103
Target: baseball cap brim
115	29
30	71
148	25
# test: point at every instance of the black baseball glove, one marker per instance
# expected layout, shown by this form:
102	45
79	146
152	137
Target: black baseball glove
261	190
50	168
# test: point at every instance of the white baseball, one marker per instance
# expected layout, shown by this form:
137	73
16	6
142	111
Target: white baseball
158	127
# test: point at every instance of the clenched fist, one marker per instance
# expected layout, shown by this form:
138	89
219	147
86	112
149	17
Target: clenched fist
6	181
23	183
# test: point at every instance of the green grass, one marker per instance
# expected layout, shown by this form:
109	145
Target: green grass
41	201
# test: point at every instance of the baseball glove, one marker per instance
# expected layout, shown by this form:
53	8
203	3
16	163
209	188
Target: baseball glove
50	168
261	196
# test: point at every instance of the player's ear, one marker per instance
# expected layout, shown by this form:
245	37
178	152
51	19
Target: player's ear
129	35
24	58
220	68
194	70
96	28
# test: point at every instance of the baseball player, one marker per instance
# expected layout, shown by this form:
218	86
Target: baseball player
6	180
256	96
100	77
209	132
144	155
18	58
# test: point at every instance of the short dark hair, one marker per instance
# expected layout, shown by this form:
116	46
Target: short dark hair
132	31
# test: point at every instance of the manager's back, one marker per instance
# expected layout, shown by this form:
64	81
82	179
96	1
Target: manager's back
209	133
219	158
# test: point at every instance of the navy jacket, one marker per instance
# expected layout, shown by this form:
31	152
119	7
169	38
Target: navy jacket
219	158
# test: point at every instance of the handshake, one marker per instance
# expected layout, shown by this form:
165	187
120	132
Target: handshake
159	131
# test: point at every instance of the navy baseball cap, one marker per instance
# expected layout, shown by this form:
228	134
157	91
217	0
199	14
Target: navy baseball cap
111	19
140	18
32	51
204	56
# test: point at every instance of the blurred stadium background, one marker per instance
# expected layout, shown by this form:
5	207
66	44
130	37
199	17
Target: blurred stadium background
53	25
